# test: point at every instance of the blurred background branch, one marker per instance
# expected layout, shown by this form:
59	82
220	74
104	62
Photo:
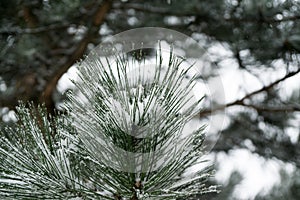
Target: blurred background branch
240	102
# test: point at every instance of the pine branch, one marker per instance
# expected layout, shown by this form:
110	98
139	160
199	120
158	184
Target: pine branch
119	108
35	164
120	139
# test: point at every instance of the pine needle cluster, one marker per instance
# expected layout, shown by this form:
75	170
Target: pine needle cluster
120	137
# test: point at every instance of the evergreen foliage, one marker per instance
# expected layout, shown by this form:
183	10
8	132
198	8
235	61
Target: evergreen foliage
96	151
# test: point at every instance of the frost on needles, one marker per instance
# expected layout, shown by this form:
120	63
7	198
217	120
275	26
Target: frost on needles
121	136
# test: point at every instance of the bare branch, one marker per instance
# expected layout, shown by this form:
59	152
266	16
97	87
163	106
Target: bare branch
42	29
152	9
273	109
240	102
268	87
98	18
263	20
163	11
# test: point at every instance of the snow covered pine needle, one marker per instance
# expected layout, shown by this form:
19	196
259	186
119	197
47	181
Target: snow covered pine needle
122	136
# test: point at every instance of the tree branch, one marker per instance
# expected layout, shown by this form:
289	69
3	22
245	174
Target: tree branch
98	18
42	29
263	20
163	11
240	102
152	9
273	109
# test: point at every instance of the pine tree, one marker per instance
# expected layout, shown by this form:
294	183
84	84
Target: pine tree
120	137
